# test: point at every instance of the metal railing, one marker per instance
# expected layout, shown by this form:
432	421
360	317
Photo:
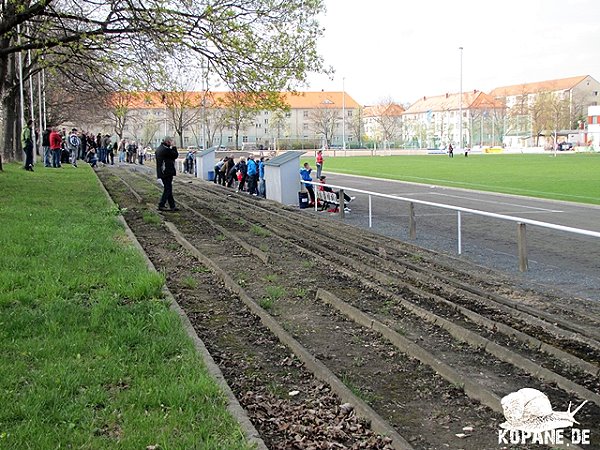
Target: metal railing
521	222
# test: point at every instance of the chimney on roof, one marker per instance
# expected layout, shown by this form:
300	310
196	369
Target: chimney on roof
446	95
474	91
424	98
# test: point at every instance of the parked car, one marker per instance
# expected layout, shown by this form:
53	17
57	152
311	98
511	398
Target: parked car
564	146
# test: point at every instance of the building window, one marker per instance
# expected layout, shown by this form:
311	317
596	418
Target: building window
266	121
305	114
229	139
288	114
244	138
305	126
350	113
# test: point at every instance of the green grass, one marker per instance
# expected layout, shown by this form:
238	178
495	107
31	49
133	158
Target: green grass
259	231
275	292
91	357
300	292
569	177
266	303
151	218
271	278
189	282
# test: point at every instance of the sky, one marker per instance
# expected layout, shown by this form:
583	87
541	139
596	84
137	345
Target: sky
406	49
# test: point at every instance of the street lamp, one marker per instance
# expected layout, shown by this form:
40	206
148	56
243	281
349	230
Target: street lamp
460	118
204	87
344	115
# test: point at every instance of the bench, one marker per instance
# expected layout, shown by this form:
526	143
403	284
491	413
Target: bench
328	198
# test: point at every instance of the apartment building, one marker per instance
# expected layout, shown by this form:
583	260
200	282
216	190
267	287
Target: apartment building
383	123
539	110
434	122
593	128
217	118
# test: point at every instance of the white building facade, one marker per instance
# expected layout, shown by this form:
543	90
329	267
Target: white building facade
593	127
312	119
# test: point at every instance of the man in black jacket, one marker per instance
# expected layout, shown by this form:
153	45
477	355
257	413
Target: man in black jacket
46	147
166	154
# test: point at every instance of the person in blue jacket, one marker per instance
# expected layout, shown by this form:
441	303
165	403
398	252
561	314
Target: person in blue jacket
252	175
305	175
261	177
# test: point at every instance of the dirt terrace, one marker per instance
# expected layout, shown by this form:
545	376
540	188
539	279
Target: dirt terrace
282	259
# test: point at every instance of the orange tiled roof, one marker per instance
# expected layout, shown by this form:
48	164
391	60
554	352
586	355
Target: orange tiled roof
539	86
383	110
449	102
300	100
320	99
155	100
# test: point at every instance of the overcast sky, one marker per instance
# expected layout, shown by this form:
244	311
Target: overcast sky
408	49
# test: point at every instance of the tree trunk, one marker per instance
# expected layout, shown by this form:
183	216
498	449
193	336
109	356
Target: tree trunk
10	144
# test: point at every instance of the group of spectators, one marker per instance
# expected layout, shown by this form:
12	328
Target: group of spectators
245	175
60	147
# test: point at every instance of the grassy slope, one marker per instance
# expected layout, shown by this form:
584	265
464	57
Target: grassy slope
90	356
566	177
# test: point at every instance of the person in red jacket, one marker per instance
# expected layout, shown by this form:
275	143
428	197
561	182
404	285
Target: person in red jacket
319	162
55	147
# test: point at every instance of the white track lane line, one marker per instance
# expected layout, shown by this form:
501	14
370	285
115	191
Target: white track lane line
479	200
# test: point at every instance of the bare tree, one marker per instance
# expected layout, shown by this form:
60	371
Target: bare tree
118	108
541	116
559	114
323	122
388	118
148	132
357	126
237	113
519	121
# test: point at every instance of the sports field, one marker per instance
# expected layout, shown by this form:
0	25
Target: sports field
570	177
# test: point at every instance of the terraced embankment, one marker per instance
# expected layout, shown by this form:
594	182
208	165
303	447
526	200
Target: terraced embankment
307	316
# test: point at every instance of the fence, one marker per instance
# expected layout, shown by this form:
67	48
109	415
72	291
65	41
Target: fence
412	226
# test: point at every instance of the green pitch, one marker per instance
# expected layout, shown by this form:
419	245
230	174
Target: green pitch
570	177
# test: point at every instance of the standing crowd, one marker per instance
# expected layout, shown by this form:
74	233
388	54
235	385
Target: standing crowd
247	175
59	147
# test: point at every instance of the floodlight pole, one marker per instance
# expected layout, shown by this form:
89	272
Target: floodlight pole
460	116
204	81
344	115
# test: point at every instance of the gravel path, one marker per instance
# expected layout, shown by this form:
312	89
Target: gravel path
559	263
